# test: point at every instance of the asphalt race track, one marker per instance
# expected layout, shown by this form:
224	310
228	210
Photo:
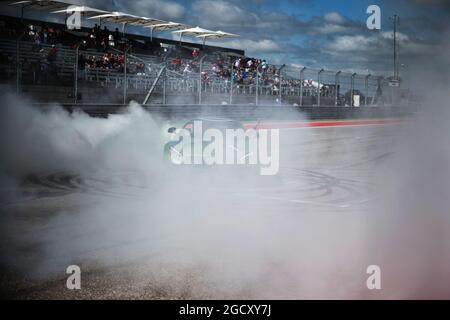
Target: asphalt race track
302	234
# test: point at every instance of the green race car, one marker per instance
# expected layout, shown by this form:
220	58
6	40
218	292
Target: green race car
198	142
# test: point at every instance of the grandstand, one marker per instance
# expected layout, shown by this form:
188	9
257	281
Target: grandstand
93	65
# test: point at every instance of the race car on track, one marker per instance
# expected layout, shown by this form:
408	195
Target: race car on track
196	128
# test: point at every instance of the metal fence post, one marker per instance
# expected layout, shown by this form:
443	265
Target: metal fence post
301	85
125	77
379	92
164	83
76	72
18	65
18	69
352	87
200	80
318	86
231	82
281	80
279	94
367	89
336	83
125	84
257	84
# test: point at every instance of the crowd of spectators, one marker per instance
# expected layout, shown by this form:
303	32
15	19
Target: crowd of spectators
245	70
102	39
97	38
242	71
43	69
43	34
110	61
186	66
48	34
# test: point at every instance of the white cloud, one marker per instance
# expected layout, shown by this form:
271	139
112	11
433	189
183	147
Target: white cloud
220	11
390	35
334	18
331	23
330	29
252	46
162	9
352	43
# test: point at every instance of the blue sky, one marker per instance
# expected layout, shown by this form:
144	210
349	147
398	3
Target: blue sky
315	33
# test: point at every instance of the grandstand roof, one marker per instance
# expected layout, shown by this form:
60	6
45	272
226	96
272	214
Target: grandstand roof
81	9
144	22
57	6
203	33
42	4
117	16
197	31
168	26
218	35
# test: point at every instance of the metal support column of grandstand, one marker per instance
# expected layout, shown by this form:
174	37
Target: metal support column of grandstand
200	79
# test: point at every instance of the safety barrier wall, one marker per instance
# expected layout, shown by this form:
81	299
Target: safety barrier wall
249	112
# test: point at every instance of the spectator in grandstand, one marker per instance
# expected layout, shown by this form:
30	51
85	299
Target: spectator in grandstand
91	38
140	69
111	41
44	35
52	35
116	36
216	69
37	42
195	53
205	75
105	32
98	37
52	54
264	66
187	70
107	61
105	38
176	63
31	32
237	63
226	74
83	45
